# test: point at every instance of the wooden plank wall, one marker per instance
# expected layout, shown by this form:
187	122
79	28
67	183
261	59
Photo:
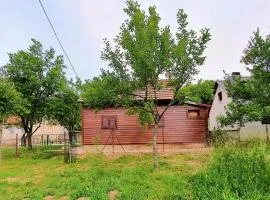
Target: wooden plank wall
178	128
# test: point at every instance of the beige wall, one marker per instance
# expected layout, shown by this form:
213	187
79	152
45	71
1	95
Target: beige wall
254	130
9	133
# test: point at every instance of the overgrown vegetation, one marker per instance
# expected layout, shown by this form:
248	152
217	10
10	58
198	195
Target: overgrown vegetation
236	172
239	171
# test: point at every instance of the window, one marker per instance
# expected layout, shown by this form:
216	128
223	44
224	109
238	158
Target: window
193	113
265	119
108	122
220	96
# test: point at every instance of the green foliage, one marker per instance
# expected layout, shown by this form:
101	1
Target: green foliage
9	98
235	173
201	92
37	75
101	92
65	109
250	96
219	138
143	52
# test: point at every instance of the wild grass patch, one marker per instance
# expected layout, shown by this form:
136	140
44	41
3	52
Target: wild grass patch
240	171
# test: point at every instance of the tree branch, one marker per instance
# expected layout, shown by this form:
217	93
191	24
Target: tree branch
37	128
172	101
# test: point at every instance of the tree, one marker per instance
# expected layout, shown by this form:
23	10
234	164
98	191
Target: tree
9	99
201	92
143	52
100	92
9	102
37	75
65	108
251	96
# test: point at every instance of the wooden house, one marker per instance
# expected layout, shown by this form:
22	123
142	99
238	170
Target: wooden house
181	124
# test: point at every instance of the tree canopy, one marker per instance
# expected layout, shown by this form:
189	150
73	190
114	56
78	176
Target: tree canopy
200	92
9	99
143	52
37	76
65	108
251	96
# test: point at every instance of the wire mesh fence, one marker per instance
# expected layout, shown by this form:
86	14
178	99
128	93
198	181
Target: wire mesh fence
63	142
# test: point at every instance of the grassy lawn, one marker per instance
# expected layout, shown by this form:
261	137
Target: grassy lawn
35	176
229	173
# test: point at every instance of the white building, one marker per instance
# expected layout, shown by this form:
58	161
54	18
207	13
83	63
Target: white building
220	101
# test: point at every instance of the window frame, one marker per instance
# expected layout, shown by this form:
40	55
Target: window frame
194	117
110	118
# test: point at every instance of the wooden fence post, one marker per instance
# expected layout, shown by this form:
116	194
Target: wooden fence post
17	154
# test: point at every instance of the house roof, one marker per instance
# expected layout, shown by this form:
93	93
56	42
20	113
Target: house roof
162	94
222	82
12	120
165	94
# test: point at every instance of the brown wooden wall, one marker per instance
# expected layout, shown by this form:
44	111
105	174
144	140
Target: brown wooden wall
178	128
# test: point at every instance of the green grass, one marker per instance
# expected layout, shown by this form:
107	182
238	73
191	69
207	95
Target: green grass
234	172
34	175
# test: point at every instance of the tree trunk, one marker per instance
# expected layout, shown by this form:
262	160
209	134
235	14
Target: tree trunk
23	140
29	141
70	137
155	150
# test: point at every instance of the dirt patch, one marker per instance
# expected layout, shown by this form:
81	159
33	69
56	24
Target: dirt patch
21	180
83	198
64	198
49	198
113	195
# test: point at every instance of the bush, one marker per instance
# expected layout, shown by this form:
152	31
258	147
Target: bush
237	172
221	138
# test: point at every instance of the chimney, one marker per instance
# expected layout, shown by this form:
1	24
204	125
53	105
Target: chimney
233	76
236	74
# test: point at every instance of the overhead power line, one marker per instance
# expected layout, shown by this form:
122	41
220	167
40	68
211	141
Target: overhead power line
60	43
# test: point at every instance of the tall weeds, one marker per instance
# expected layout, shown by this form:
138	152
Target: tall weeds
236	172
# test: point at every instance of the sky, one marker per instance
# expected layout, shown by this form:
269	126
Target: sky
82	25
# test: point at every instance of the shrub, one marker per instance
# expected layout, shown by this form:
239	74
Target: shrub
220	137
237	172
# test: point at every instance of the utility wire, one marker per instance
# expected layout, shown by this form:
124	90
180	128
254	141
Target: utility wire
60	43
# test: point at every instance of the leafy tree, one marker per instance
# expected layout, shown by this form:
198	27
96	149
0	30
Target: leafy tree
251	96
9	99
65	108
100	92
201	92
9	102
37	75
143	52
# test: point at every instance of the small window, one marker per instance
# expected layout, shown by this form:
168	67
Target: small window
265	119
193	113
220	96
109	122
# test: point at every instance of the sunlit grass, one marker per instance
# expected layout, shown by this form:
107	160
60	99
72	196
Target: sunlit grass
34	175
241	171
